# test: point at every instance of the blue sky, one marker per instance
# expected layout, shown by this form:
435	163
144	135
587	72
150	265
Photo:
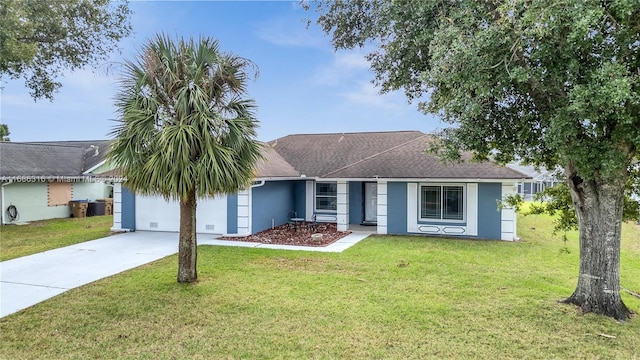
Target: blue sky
303	86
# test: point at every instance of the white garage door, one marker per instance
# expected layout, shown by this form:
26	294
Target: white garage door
154	213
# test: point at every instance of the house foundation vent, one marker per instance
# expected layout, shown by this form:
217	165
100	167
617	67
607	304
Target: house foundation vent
209	227
153	225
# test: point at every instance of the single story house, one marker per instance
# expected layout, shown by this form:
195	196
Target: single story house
39	179
538	179
381	179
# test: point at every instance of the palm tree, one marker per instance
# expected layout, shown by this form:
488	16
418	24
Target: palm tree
184	129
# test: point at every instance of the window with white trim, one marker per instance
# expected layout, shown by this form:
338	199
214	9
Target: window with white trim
326	196
442	202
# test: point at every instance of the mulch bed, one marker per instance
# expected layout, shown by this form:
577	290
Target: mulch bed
285	235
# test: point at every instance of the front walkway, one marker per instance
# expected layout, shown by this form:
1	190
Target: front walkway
31	279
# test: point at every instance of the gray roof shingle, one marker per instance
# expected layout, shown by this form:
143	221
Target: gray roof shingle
64	158
396	154
319	154
273	165
384	154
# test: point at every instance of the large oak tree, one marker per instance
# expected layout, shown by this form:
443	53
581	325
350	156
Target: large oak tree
550	82
185	129
39	39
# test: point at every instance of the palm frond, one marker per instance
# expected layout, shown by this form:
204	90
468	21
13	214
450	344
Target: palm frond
184	122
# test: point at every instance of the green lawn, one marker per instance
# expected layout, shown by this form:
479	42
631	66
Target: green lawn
387	297
38	236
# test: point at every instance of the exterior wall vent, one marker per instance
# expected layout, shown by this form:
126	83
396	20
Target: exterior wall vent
210	227
153	225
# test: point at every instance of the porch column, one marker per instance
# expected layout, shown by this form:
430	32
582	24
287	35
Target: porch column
382	207
244	212
117	207
343	206
309	199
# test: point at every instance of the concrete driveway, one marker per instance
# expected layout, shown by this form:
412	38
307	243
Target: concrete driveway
31	279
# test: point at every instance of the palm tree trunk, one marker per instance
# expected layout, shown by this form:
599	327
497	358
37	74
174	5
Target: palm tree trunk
599	210
188	246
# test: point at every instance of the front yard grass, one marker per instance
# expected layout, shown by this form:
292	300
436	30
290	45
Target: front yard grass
389	297
38	236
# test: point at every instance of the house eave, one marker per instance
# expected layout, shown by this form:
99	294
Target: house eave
458	180
94	167
280	178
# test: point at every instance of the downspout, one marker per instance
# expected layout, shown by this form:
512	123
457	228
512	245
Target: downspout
3	209
250	191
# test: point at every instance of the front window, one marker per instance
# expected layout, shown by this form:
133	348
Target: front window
442	202
326	196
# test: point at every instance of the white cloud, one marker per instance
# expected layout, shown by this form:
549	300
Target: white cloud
367	94
345	65
349	73
285	32
14	99
89	79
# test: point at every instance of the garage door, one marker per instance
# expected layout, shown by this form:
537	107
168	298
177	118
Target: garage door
154	213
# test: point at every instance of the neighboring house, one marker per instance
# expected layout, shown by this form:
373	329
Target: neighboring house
39	179
381	179
538	180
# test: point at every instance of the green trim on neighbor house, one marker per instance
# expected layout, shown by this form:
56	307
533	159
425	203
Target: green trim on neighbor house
106	166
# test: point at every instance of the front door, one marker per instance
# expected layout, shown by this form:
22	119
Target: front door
370	203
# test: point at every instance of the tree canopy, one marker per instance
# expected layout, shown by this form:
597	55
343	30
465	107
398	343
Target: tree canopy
548	82
541	80
185	129
40	39
4	132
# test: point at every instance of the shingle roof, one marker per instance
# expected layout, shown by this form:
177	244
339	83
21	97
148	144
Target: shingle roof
319	154
398	154
409	160
383	154
539	174
49	158
94	150
273	165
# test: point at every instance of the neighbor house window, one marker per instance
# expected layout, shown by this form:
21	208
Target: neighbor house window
58	193
326	196
442	202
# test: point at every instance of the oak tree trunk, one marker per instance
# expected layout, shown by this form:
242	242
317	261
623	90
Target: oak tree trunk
187	246
598	206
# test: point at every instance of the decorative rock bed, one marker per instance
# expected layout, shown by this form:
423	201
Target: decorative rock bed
324	234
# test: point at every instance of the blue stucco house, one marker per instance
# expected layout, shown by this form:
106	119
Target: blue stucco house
381	179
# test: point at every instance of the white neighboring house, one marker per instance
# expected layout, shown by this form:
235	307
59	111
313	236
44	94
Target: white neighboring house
539	179
38	179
